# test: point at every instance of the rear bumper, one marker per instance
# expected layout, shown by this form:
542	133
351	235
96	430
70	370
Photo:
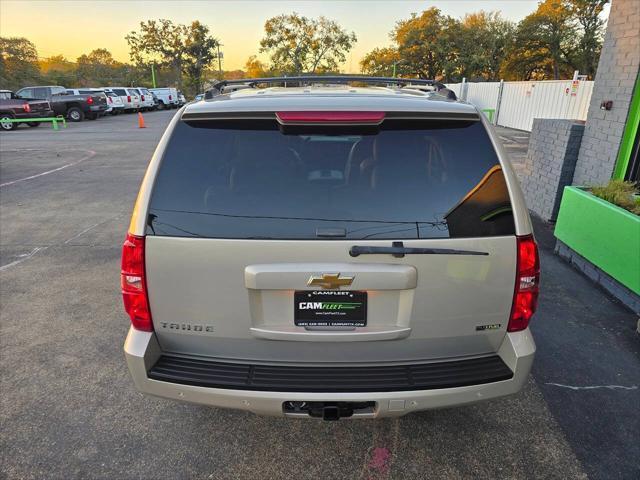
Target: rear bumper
142	352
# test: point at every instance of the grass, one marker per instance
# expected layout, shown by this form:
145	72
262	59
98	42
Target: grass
620	193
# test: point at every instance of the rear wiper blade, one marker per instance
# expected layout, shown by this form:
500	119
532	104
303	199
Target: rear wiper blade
398	250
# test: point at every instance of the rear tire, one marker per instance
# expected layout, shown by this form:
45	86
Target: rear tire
161	106
5	125
33	124
75	114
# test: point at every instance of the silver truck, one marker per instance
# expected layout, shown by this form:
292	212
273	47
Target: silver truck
330	251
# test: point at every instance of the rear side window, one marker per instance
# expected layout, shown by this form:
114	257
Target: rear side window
406	180
120	91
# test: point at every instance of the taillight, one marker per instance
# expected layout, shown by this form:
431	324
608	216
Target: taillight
26	107
142	97
525	297
109	98
133	283
128	98
90	100
170	97
335	117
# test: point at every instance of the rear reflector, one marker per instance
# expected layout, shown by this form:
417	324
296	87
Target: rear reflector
142	98
330	117
128	98
133	284
525	297
26	107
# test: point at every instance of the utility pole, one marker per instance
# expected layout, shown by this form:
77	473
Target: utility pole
153	75
220	59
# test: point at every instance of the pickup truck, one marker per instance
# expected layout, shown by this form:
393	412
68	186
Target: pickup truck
73	107
12	107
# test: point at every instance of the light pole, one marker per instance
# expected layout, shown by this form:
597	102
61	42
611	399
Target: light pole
220	59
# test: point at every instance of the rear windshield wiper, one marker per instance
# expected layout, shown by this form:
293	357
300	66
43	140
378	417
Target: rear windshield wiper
398	250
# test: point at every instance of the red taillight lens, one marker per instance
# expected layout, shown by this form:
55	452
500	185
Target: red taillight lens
330	117
142	97
133	284
109	98
525	297
169	97
90	100
26	107
128	98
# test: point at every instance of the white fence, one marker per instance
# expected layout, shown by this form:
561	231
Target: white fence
516	104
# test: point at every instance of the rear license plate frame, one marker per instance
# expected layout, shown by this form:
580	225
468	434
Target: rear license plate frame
341	308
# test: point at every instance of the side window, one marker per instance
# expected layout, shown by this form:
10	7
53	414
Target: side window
26	93
58	91
120	92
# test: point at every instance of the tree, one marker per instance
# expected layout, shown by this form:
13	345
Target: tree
384	62
298	44
256	69
587	15
483	40
18	63
425	44
99	68
187	49
199	53
159	41
545	43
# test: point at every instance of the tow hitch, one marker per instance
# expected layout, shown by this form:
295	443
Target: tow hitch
329	411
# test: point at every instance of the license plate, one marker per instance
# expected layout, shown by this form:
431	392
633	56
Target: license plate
330	308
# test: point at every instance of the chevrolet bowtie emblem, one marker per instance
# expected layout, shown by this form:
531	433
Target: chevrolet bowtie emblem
330	281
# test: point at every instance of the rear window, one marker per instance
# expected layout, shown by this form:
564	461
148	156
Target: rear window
405	180
120	91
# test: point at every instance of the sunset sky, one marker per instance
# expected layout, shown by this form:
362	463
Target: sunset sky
72	28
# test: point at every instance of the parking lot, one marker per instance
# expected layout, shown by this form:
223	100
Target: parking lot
69	409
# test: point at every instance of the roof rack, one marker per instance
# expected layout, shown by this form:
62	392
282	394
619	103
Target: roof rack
217	87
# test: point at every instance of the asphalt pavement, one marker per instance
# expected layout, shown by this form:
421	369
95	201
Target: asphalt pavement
69	409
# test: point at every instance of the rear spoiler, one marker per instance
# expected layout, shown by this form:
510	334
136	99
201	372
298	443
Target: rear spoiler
266	115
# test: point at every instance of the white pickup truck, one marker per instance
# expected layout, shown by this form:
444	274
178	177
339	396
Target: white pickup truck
167	97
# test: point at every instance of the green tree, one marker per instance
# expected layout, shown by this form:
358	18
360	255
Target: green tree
384	62
161	42
545	44
98	68
256	69
199	53
298	44
590	26
425	44
482	42
18	63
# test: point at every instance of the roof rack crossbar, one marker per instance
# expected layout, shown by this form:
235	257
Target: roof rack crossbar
328	79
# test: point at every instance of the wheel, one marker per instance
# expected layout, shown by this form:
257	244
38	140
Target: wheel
33	124
161	106
5	124
75	114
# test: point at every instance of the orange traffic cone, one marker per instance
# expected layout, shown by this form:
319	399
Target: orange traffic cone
141	121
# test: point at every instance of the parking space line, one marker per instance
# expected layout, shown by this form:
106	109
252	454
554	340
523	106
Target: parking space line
91	154
22	258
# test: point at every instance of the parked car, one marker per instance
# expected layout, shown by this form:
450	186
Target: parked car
129	96
116	106
73	107
198	97
346	252
91	91
14	108
181	99
167	97
146	97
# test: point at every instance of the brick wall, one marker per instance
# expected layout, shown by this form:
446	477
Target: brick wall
617	71
550	164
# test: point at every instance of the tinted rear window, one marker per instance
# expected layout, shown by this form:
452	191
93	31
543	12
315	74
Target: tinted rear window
406	180
120	91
